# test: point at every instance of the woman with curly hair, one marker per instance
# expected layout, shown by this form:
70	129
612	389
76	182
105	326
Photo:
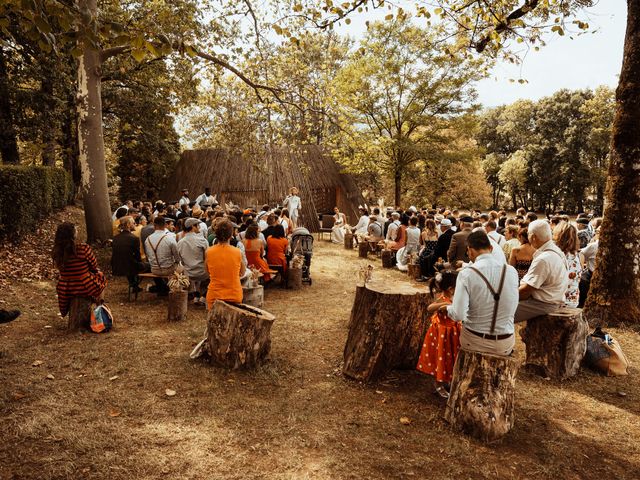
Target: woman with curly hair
79	273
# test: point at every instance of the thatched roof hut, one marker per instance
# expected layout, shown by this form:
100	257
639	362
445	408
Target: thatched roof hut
252	183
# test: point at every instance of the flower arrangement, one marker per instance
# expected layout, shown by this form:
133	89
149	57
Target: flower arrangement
178	282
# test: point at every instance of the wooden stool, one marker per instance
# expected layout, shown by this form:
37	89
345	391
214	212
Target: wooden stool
80	314
481	402
238	336
177	306
387	328
388	258
363	249
294	278
557	342
348	241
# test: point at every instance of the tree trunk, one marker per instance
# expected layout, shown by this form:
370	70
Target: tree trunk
615	286
386	331
80	314
482	397
238	336
94	187
177	305
8	136
69	141
556	343
49	124
397	183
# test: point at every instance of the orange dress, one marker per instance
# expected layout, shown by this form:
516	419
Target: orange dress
440	346
223	263
276	252
254	257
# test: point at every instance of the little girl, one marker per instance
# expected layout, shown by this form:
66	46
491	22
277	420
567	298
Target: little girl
442	341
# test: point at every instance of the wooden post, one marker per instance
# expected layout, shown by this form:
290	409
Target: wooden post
387	328
387	258
481	402
177	306
363	249
295	279
253	296
414	271
238	336
348	241
556	343
80	314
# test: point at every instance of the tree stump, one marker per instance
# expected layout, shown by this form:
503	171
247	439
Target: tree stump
177	306
414	272
387	328
253	296
295	278
363	249
80	314
238	336
481	402
557	342
348	241
387	258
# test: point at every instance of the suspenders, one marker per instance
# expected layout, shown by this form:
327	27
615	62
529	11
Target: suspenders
496	295
155	249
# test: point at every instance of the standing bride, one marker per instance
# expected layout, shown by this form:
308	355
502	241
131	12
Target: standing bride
339	226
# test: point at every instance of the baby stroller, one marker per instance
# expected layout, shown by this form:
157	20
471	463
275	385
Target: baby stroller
302	244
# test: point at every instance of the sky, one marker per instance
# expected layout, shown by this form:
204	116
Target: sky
587	61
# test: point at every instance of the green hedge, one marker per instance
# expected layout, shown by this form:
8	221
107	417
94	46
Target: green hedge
29	193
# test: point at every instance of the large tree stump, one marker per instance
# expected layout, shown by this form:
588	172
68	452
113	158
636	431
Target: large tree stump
556	343
387	328
388	257
253	296
238	336
363	249
481	402
295	279
348	240
80	314
177	306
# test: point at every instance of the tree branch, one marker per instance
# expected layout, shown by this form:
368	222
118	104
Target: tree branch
505	24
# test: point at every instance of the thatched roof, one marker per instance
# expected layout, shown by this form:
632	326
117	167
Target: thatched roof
252	183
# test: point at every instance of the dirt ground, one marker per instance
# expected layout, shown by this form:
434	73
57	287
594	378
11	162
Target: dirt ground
104	414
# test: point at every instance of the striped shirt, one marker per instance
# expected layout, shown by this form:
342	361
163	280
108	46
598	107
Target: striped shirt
79	277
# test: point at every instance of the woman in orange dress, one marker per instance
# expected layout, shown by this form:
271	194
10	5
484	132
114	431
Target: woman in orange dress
254	250
442	341
225	267
277	245
79	272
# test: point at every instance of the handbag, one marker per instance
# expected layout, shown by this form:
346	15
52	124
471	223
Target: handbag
605	355
101	319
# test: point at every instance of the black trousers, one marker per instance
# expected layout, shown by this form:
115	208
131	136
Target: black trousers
583	286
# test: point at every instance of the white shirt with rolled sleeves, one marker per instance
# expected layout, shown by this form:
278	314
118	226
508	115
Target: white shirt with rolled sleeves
495	236
548	274
473	302
162	253
589	254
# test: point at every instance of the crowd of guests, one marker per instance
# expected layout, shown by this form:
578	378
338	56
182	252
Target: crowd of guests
216	247
491	270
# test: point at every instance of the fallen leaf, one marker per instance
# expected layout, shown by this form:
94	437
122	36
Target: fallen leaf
170	393
405	420
379	392
19	395
114	413
622	394
50	377
114	378
37	363
49	326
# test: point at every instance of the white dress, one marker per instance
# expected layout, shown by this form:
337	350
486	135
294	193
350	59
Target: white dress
338	230
363	225
292	203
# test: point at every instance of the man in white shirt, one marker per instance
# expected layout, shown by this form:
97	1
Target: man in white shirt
589	254
490	228
206	199
162	253
542	289
485	300
392	231
184	200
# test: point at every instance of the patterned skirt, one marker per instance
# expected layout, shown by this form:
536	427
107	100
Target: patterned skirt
440	348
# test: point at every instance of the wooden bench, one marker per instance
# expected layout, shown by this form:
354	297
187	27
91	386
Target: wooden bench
278	270
482	398
556	343
326	226
143	275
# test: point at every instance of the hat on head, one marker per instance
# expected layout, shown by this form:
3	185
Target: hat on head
413	209
467	219
583	221
445	222
191	222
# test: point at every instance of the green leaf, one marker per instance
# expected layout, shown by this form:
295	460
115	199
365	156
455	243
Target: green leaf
149	46
76	52
138	54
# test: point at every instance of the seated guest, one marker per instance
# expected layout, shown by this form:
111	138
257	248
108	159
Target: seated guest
162	253
192	250
277	245
428	260
272	221
391	230
589	255
225	267
522	256
511	240
78	267
442	341
262	222
121	212
485	300
285	221
429	235
543	288
339	227
126	260
458	247
490	227
413	239
254	250
584	235
565	237
374	230
363	222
